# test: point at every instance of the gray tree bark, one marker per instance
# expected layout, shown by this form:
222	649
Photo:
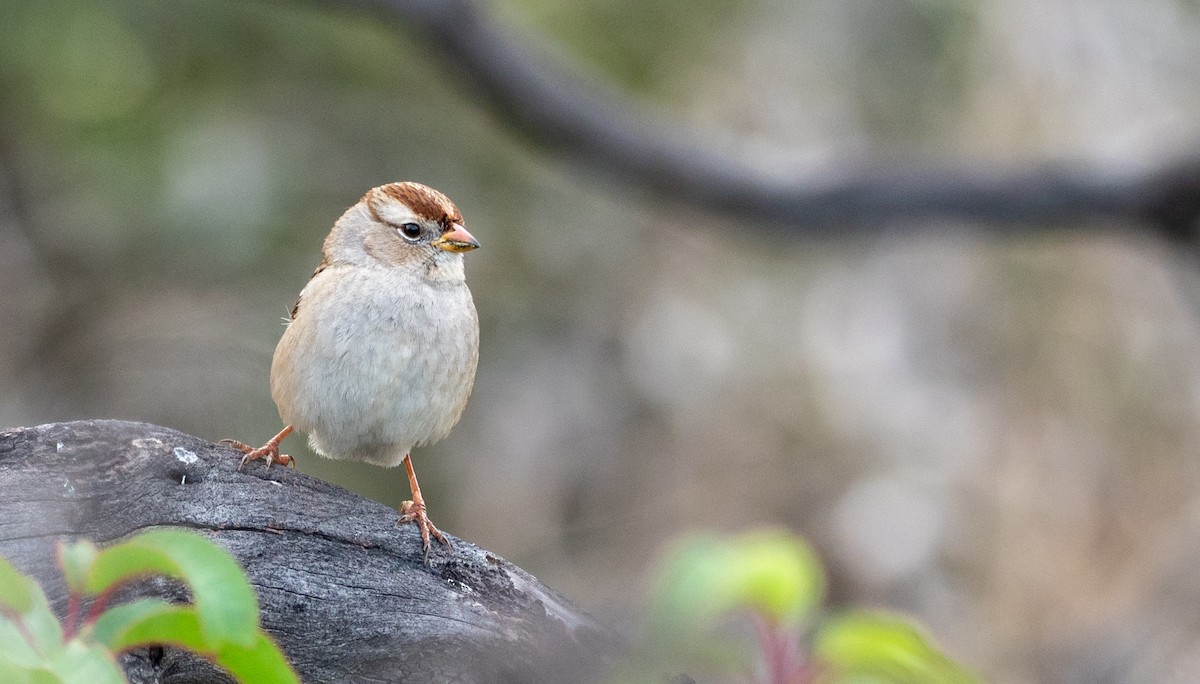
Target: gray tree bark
341	587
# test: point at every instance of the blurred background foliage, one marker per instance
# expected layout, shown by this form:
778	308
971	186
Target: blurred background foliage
996	435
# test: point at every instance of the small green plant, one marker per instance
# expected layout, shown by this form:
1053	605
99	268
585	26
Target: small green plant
716	595
221	623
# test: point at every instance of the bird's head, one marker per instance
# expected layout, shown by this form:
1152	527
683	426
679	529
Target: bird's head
400	223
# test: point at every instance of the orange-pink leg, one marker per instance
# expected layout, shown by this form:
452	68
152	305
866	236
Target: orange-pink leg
268	451
414	511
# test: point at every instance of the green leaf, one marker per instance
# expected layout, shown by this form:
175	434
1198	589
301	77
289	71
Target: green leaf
884	648
148	621
11	673
690	586
16	590
770	572
76	560
224	600
261	662
81	663
14	647
776	574
44	677
23	607
151	621
41	625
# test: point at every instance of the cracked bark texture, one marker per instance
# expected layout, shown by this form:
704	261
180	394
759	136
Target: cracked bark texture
341	587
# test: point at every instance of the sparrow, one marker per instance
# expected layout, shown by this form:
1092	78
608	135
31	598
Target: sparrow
380	350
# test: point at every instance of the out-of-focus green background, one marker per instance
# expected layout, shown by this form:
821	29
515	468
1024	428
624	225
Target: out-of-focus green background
997	435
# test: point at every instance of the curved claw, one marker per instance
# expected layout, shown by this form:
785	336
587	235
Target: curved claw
414	511
268	451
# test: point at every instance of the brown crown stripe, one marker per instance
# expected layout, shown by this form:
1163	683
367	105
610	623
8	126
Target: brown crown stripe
424	201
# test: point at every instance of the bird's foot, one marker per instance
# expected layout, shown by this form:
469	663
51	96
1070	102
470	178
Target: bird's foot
414	511
268	452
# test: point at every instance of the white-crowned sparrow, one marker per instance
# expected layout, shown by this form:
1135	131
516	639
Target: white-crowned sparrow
380	352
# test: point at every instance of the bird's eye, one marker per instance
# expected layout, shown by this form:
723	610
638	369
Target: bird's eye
410	231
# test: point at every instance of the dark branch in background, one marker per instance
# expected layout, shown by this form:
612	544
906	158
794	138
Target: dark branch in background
600	128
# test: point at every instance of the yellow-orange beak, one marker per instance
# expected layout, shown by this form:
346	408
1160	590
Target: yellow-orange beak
457	239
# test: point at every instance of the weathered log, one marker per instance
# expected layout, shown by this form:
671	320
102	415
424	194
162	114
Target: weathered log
341	587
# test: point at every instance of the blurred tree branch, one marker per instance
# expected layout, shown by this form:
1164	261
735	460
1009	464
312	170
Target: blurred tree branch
596	126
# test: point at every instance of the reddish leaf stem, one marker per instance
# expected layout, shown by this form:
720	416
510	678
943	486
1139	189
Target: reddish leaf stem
72	620
781	653
100	603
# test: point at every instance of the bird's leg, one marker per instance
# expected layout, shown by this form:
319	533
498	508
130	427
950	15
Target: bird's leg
414	511
268	451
